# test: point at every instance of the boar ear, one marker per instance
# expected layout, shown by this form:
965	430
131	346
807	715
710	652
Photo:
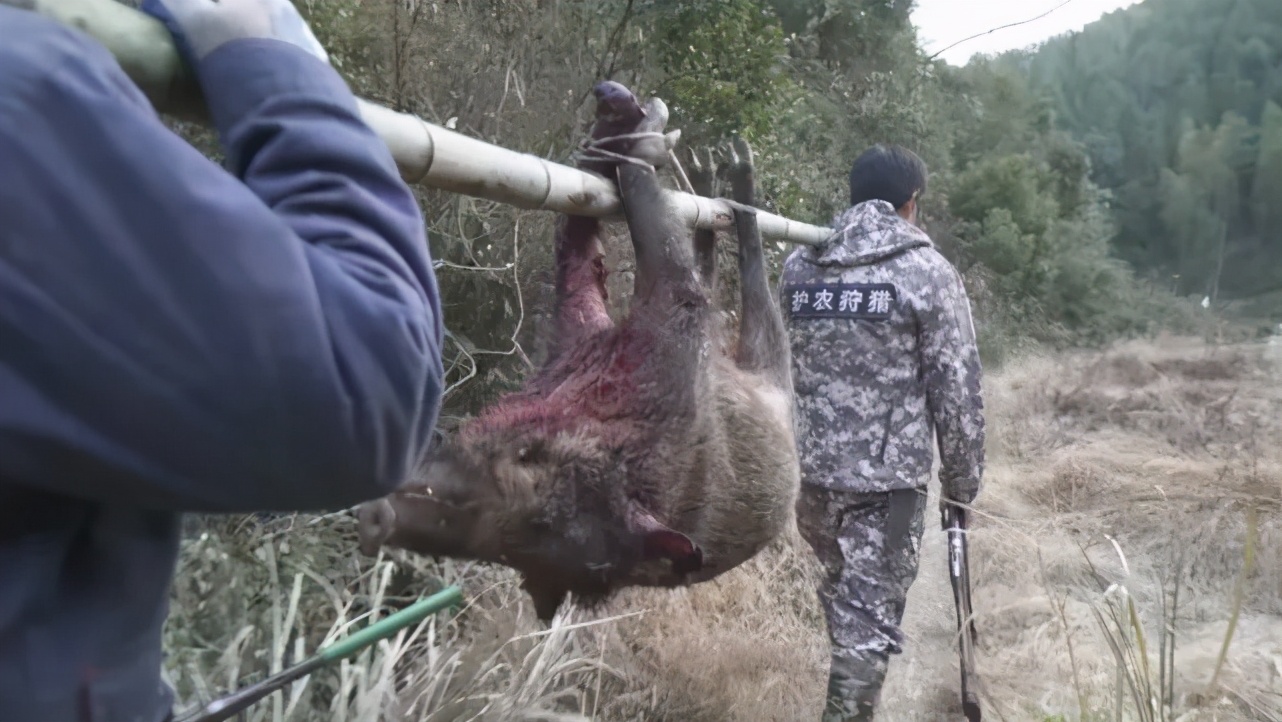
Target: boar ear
661	542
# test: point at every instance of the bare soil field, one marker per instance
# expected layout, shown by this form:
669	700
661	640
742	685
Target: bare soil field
1130	525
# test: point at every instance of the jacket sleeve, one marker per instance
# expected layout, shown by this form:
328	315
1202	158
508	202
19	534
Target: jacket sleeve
174	335
953	378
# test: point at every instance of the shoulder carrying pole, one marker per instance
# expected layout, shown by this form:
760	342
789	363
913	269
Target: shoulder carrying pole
425	153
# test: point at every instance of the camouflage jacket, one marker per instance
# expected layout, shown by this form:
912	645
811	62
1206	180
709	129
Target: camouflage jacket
883	349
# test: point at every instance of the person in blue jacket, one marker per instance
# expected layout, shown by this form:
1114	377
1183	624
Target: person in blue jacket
179	337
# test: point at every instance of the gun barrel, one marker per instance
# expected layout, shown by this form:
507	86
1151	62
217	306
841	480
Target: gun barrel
954	520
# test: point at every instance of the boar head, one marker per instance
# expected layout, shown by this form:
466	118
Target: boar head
549	500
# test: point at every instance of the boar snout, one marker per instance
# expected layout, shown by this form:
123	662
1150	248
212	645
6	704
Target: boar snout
375	522
436	515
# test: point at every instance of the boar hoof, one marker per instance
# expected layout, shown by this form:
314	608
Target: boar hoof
375	521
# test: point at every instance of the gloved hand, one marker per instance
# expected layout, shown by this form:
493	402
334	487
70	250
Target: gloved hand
201	26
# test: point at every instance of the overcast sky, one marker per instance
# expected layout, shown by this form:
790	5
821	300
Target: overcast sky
943	22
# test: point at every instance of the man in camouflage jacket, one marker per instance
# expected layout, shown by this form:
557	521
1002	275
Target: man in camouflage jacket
884	357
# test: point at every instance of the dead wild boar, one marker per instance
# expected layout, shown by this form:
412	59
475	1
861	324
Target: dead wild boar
640	453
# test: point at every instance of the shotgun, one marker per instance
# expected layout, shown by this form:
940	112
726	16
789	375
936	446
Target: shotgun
955	525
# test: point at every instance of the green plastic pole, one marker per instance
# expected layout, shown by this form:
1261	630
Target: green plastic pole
225	708
413	614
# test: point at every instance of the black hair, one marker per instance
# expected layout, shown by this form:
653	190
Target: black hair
889	173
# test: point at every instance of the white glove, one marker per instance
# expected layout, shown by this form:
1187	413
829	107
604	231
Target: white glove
201	26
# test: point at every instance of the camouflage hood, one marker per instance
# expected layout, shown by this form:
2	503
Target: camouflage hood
867	233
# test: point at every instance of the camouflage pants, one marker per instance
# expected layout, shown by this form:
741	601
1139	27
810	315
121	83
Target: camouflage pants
868	545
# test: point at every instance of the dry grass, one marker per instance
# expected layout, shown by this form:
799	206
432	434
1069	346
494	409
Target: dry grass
1110	475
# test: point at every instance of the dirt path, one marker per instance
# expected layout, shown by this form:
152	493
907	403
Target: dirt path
923	684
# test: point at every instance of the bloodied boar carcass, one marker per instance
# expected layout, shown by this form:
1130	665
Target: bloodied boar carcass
641	453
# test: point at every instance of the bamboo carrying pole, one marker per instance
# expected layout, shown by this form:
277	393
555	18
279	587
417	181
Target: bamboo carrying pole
425	153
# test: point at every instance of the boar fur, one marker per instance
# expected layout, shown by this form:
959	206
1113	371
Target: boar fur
640	453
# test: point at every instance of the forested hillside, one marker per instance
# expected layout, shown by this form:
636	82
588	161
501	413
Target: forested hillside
1097	187
1179	104
1015	197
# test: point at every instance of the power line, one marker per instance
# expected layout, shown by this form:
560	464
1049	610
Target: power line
1003	27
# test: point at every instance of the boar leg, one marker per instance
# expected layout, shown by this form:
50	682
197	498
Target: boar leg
664	255
581	295
705	239
665	269
763	341
580	281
